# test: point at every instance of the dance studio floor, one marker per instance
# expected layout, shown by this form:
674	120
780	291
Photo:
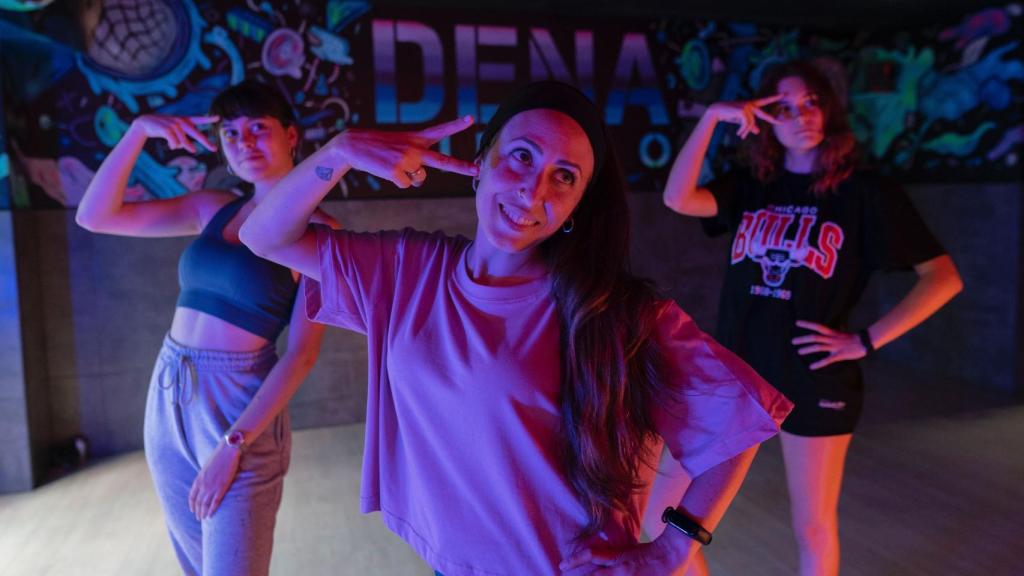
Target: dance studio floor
934	489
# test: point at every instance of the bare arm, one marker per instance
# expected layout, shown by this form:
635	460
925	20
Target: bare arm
681	191
278	229
103	209
705	501
937	283
277	389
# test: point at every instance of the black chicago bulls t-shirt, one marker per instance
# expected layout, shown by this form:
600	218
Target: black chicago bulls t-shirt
795	256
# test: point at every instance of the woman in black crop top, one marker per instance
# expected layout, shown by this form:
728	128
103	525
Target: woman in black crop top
808	229
216	428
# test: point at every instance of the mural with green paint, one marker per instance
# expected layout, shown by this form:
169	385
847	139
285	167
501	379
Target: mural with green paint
936	103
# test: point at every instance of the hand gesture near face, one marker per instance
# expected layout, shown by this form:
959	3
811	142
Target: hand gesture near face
745	113
178	131
403	157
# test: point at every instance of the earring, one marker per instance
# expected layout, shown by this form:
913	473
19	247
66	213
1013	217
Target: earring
230	171
476	182
568	225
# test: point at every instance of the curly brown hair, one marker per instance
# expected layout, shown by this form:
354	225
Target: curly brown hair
837	156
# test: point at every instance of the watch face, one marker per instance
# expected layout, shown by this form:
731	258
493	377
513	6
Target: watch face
235	438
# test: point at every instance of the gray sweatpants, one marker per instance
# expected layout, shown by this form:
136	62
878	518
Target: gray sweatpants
194	397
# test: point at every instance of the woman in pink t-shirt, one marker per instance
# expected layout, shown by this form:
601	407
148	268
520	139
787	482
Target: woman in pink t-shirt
522	382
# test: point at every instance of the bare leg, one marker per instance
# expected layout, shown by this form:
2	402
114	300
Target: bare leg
814	474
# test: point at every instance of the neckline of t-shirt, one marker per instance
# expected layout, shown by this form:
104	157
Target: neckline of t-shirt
802	175
514	293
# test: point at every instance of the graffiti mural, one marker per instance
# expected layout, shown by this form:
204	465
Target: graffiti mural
936	103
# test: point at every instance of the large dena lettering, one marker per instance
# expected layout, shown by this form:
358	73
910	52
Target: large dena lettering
633	81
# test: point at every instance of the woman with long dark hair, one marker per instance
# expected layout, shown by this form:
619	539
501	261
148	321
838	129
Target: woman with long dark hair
521	382
217	436
808	230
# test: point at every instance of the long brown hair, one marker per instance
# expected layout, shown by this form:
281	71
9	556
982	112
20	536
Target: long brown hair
611	366
836	153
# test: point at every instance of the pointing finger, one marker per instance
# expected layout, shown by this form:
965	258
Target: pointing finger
766	116
191	130
449	163
769	99
441	131
209	119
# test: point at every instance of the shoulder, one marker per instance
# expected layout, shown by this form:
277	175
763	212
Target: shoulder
867	181
736	177
437	242
208	202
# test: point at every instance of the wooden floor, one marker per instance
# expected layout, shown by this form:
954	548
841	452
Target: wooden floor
926	495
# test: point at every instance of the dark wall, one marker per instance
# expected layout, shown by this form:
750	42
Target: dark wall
15	458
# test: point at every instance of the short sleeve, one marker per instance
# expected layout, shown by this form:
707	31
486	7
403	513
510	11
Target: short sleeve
718	405
896	238
726	191
357	272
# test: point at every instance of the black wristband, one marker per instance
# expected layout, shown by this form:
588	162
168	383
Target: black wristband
686	525
865	340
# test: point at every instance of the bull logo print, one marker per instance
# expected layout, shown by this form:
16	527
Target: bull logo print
776	262
781	238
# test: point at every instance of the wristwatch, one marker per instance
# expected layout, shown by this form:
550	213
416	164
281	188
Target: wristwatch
686	525
235	439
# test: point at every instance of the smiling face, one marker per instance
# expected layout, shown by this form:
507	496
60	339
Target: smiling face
531	179
802	121
258	149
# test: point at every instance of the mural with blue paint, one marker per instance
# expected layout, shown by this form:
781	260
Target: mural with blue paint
936	103
942	103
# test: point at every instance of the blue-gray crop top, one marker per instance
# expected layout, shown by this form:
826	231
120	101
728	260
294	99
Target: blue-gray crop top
229	282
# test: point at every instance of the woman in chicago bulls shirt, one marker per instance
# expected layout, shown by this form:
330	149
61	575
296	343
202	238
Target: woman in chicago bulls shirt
808	230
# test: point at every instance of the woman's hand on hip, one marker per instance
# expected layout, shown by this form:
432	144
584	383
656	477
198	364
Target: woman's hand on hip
213	481
838	346
661	557
177	131
402	157
746	113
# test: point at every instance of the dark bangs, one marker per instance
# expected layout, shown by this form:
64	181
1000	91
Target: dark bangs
255	100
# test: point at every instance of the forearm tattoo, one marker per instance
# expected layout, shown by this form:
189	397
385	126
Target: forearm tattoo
324	173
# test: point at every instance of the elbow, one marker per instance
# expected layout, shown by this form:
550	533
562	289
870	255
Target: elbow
956	283
86	221
952	281
943	279
251	238
672	202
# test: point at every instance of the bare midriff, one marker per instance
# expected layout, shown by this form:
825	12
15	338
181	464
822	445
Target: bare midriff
197	329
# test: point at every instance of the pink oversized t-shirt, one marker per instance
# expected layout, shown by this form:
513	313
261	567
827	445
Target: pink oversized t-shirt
461	453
